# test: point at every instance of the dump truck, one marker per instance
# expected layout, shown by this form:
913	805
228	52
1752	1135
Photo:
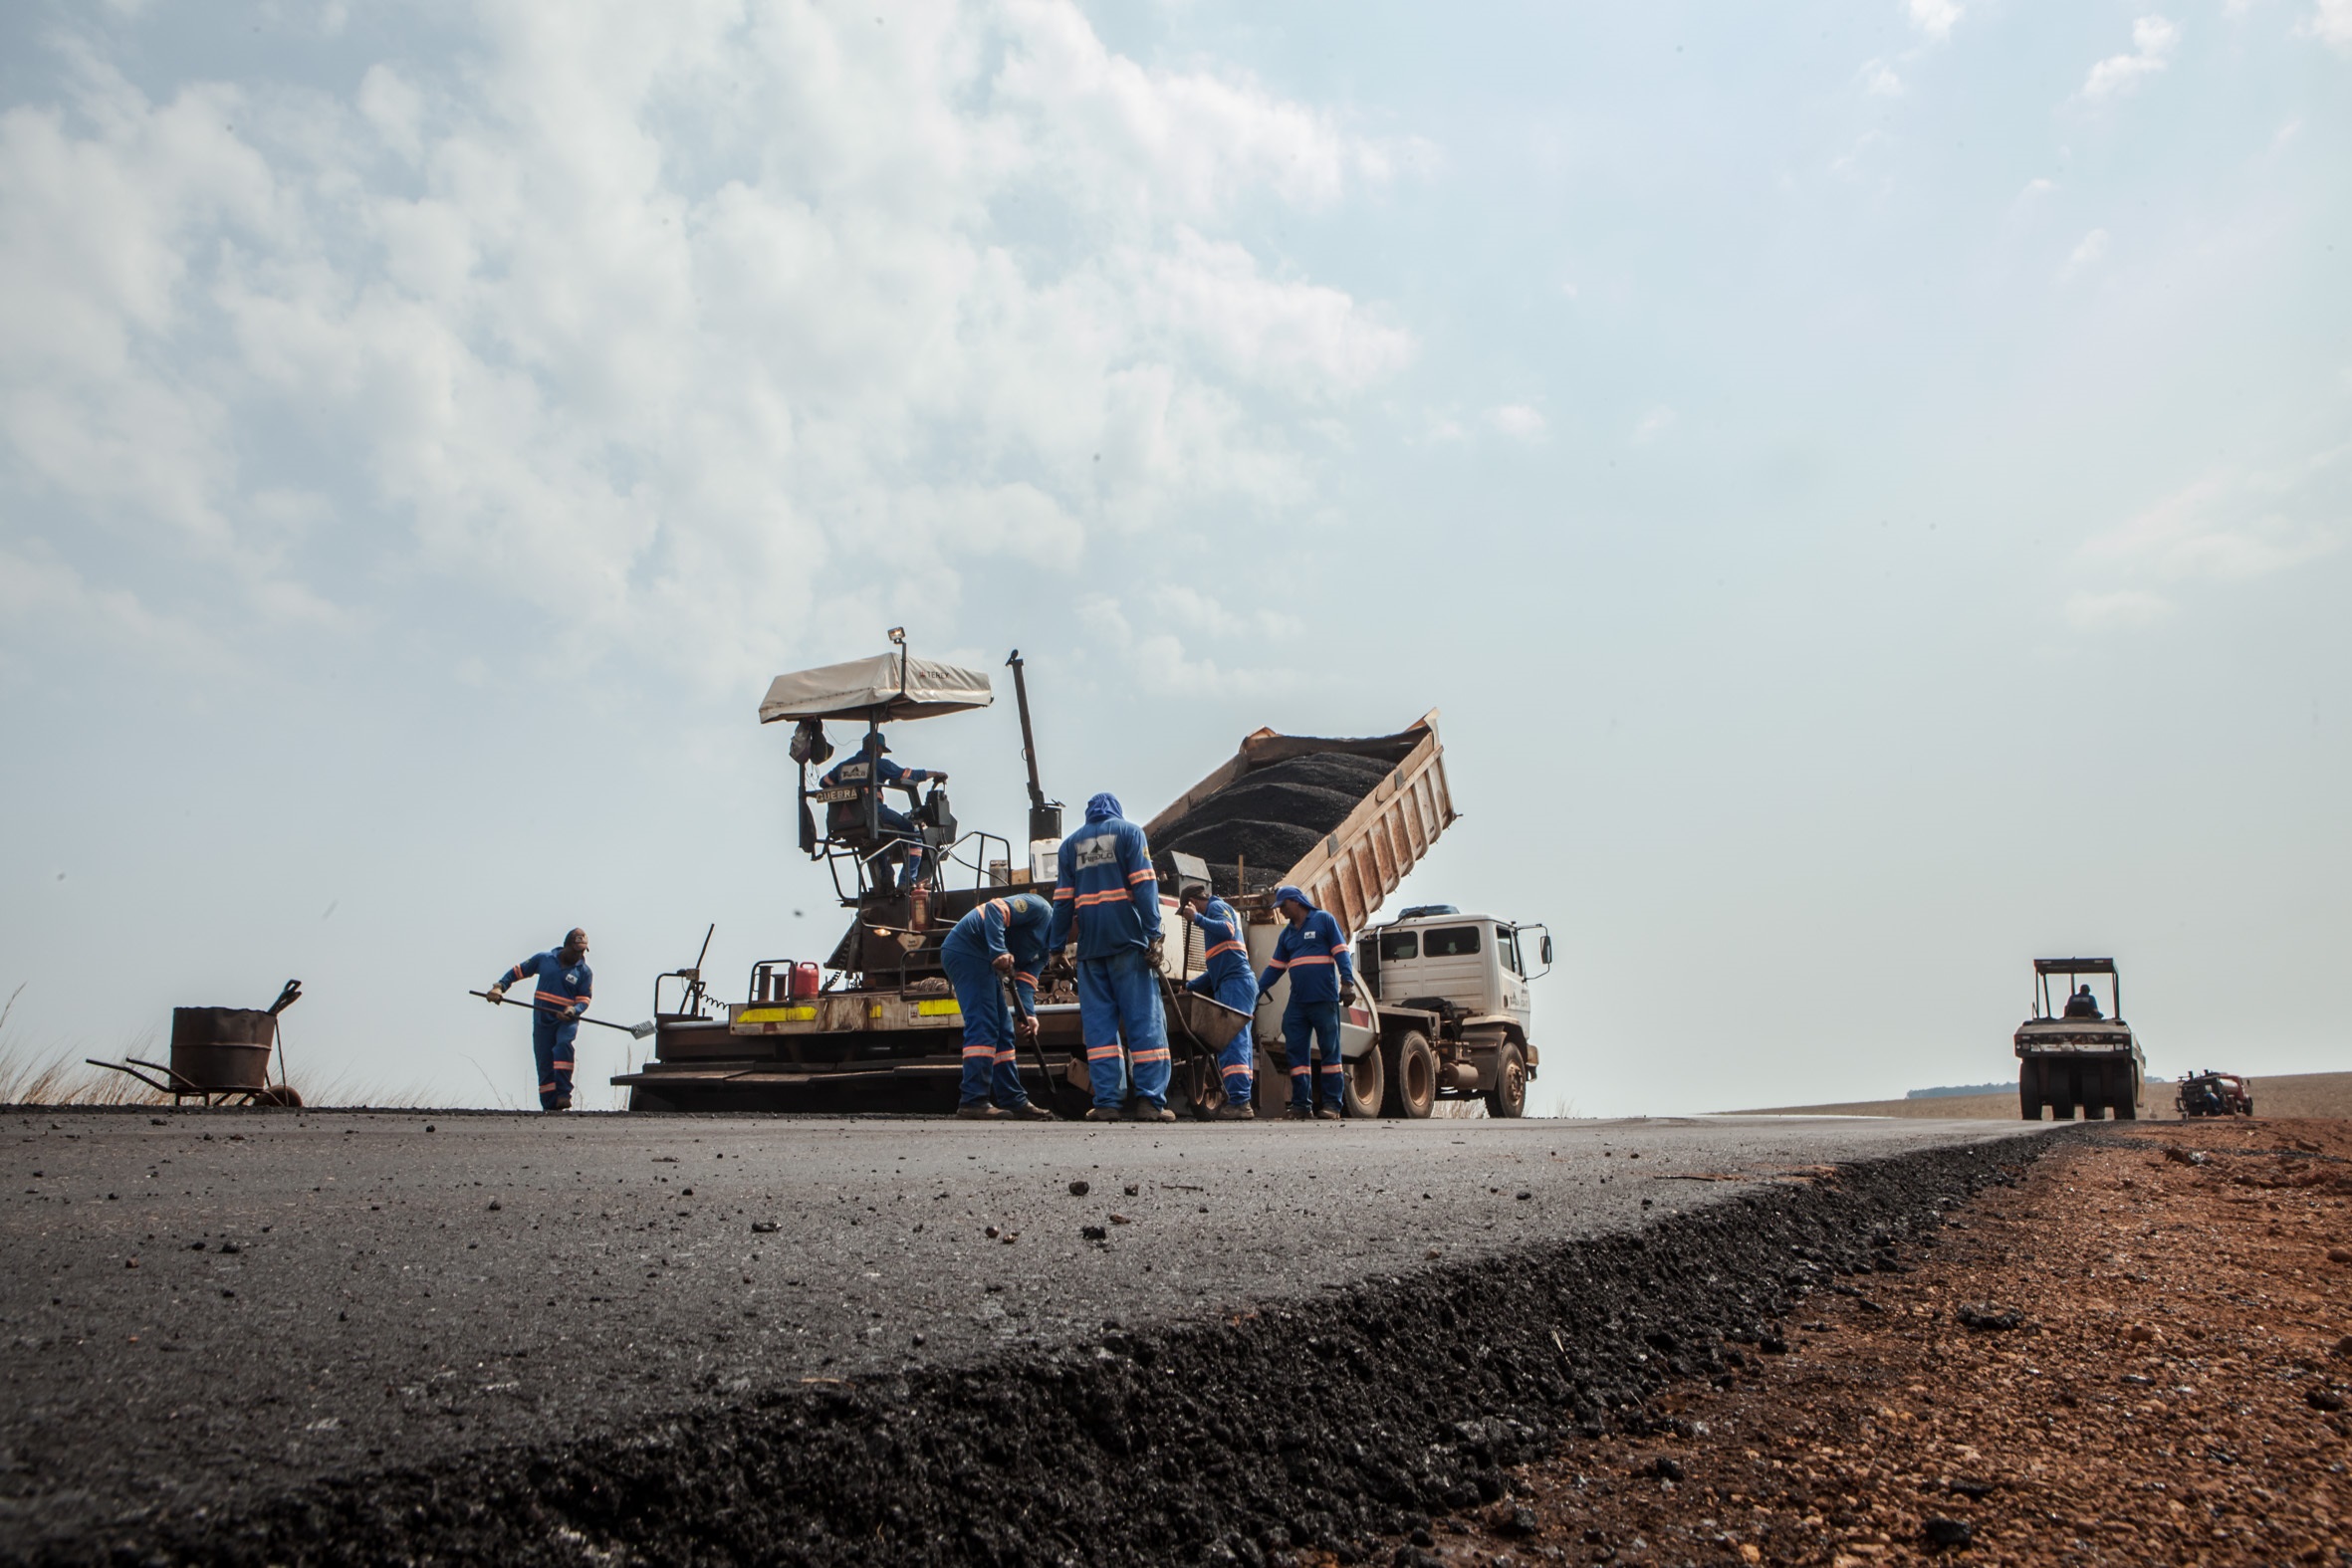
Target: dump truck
2075	1055
876	1026
1344	821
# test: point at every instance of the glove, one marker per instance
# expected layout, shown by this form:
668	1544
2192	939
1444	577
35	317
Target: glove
496	993
1025	1026
1157	950
1002	963
1347	995
571	1013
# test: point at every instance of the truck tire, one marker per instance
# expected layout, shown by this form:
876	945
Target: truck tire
2060	1086
2029	1089
1361	1085
1412	1077
1509	1097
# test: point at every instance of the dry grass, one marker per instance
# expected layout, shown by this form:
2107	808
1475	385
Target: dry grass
2322	1094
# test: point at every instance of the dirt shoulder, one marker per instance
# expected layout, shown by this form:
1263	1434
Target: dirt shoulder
2139	1354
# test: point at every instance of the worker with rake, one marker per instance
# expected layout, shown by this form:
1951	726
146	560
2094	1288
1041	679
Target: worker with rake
1226	979
1111	896
1312	951
564	983
1003	940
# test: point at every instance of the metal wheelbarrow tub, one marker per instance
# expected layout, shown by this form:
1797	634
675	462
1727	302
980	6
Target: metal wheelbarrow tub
1209	1020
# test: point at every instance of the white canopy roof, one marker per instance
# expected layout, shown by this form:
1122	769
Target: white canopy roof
855	690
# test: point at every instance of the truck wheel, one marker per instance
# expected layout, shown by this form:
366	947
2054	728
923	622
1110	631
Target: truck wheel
1508	1096
1360	1086
1412	1077
2029	1089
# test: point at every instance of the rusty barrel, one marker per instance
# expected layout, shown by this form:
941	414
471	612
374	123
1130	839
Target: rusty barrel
222	1048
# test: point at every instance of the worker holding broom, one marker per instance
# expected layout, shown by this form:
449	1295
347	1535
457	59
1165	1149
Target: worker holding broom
564	983
1001	941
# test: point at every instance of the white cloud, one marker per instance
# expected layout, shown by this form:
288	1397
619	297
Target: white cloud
2087	253
1879	80
2153	41
649	319
2036	188
1936	18
1159	662
1653	424
2228	527
2330	22
1518	421
2122	609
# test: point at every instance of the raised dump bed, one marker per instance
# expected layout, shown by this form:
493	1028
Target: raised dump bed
1342	818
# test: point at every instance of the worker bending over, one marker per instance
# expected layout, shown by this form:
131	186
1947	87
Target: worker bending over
1225	979
1312	951
847	818
1109	893
565	983
1002	941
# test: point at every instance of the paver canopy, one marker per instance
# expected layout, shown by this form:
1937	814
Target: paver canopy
881	688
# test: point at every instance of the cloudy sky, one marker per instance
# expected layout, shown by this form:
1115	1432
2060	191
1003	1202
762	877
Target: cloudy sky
1867	485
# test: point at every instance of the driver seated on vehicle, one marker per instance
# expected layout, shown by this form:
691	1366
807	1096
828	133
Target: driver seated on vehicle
2082	1004
845	819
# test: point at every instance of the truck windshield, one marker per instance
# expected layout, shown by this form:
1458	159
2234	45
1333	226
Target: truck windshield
1450	942
1396	945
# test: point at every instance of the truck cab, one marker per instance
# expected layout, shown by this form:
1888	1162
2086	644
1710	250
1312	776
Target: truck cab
1455	1014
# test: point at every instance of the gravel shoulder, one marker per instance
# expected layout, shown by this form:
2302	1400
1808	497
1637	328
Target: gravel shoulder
2139	1354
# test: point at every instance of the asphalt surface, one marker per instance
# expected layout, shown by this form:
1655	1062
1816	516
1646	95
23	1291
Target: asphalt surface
202	1306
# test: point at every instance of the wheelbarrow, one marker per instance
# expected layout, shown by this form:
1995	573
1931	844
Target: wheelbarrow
221	1055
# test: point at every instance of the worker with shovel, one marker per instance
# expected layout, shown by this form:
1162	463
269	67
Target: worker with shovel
1225	977
564	983
1004	939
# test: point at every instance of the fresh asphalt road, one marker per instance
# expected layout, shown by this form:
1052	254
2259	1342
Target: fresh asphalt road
198	1303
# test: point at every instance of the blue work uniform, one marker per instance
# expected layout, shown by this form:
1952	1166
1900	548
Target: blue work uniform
1226	978
563	996
1110	895
843	815
1314	955
1017	925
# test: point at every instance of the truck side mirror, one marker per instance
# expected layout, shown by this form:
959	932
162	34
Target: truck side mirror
1547	950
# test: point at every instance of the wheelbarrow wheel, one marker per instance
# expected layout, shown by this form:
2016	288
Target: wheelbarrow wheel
282	1095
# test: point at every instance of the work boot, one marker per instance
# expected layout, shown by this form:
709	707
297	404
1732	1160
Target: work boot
1030	1111
1329	1113
1149	1111
1243	1112
1301	1113
1105	1113
563	1104
981	1111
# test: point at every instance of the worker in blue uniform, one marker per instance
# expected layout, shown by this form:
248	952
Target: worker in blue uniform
1109	893
2082	1004
1312	951
1225	977
564	989
845	818
1002	941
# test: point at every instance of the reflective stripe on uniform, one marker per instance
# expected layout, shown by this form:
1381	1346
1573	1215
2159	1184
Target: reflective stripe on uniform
1147	874
1102	1052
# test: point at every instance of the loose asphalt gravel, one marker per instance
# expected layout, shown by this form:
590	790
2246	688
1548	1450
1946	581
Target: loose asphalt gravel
236	1334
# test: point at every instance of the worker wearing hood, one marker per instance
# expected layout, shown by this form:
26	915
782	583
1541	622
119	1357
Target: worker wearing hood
1312	952
1108	896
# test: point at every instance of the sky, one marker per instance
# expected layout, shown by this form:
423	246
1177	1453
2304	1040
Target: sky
1865	485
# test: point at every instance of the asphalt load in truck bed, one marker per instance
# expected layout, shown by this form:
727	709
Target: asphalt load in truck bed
1315	1428
1271	819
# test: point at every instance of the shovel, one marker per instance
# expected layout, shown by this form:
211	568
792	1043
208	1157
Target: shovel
634	1030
